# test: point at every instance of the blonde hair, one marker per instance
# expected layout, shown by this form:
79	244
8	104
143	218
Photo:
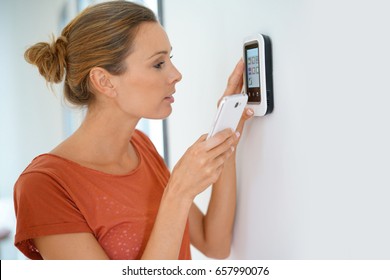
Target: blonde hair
100	36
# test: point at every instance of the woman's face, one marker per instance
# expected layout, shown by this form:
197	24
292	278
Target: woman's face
146	89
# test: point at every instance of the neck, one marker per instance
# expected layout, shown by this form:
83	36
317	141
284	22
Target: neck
102	141
108	132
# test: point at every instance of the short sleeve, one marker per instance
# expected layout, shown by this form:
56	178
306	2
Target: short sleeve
43	207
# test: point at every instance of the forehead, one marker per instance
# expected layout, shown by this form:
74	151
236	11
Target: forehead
150	38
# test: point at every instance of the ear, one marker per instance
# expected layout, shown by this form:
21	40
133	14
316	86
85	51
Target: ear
100	81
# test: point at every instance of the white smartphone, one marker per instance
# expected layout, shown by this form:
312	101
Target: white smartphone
229	113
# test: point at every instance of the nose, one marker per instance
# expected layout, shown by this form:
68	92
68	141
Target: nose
175	75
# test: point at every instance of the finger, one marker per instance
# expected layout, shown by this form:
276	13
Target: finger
201	138
218	138
235	80
226	146
198	143
221	159
246	115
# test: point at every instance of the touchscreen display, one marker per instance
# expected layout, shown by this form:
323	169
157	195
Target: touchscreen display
252	72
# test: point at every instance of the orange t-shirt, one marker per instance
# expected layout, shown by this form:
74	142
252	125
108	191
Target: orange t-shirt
56	196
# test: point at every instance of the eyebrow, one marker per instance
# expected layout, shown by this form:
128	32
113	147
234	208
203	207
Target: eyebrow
158	53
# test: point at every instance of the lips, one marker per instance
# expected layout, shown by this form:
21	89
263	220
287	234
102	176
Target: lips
170	99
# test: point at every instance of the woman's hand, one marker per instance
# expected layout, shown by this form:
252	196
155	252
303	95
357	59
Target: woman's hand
235	81
234	86
199	167
202	164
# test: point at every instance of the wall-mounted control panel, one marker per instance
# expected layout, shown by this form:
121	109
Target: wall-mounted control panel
258	78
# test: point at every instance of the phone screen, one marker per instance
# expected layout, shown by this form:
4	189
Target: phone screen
252	72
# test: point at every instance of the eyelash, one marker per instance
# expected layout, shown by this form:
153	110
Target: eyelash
160	64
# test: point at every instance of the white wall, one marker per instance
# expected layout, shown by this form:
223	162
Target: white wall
28	110
314	176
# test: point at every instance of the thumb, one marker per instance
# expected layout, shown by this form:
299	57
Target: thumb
246	115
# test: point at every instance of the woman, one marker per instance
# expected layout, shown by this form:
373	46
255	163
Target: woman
105	193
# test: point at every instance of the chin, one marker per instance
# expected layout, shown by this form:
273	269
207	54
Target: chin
161	115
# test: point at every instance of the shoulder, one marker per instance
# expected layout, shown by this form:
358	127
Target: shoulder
43	166
143	142
40	178
147	150
44	186
139	136
43	204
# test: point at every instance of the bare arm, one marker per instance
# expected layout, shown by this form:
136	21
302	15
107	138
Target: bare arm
212	233
79	246
200	167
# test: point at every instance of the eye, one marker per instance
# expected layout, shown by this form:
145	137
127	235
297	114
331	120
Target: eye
160	64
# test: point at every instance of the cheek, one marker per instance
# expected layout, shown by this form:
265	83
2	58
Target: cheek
143	95
143	100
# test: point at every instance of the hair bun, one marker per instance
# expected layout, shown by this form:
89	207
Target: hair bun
49	58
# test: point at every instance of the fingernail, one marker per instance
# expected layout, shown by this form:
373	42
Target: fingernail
249	112
238	134
232	148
